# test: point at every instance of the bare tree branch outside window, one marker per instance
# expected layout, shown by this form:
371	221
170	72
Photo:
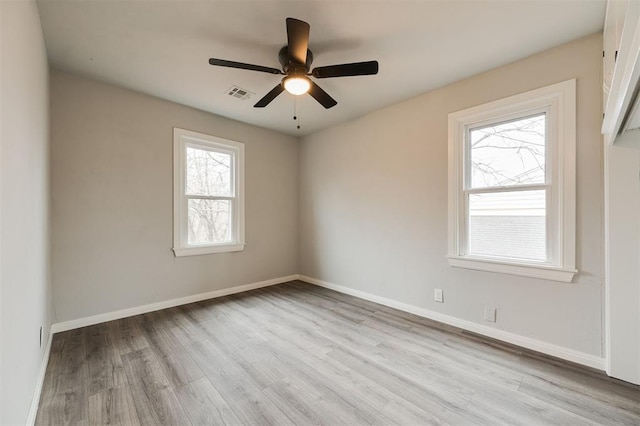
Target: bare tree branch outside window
208	173
511	153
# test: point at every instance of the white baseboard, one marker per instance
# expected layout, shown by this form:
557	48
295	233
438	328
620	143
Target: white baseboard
137	310
33	411
505	336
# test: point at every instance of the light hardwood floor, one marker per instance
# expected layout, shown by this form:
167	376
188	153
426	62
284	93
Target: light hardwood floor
300	354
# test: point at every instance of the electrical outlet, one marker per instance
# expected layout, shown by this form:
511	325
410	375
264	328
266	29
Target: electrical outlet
490	314
438	295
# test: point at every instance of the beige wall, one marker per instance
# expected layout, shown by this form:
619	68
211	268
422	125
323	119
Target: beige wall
373	206
25	295
112	201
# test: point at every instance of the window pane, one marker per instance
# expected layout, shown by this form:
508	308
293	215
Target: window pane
209	221
510	153
208	173
508	225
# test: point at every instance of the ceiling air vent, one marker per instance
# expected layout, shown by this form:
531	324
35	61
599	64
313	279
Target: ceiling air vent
239	93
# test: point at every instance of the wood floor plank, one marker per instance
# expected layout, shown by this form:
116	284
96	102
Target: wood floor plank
350	382
578	403
185	327
68	352
424	332
389	332
127	335
425	394
113	406
293	326
518	408
368	399
205	310
175	360
64	397
240	323
240	390
227	370
64	400
306	405
68	408
336	310
198	311
104	364
256	408
151	391
442	368
204	405
301	354
335	328
593	384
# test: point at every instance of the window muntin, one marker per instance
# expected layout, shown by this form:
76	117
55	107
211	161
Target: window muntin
208	194
511	174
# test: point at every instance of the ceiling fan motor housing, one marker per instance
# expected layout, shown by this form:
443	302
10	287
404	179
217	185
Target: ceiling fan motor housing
289	64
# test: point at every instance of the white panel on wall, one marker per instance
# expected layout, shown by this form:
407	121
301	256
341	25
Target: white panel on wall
622	236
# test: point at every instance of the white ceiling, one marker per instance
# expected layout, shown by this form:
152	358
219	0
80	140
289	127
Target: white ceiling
162	47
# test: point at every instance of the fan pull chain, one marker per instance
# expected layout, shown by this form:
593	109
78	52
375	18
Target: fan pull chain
295	111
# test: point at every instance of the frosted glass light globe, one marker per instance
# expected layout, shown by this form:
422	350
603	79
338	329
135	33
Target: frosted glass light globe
297	85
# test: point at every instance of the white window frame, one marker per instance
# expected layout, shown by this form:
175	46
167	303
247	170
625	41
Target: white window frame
558	102
186	138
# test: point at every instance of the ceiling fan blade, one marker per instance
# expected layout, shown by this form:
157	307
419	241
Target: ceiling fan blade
243	66
298	40
321	96
266	100
346	70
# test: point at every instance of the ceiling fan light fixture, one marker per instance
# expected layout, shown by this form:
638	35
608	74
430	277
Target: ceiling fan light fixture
296	59
296	85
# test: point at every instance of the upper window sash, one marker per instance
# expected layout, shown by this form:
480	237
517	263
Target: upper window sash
503	120
216	148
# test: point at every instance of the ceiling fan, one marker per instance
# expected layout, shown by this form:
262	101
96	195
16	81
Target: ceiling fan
296	59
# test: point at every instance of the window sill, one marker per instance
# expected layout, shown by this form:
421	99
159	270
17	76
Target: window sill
195	251
525	270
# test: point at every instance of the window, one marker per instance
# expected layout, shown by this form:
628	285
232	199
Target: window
512	185
208	203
